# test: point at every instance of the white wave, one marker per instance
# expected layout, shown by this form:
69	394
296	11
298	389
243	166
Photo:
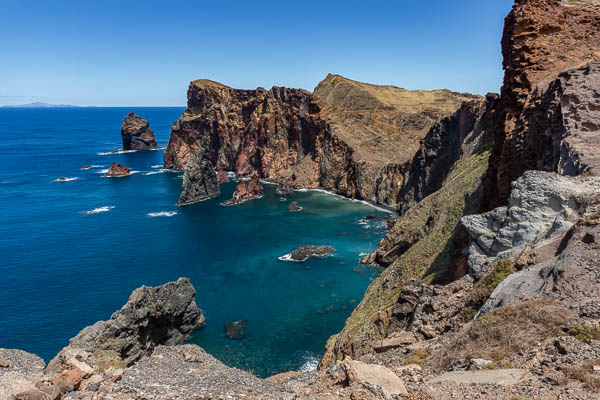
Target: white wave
108	153
133	172
156	149
102	171
156	172
157	166
63	179
368	203
99	210
230	174
288	257
310	364
162	214
361	254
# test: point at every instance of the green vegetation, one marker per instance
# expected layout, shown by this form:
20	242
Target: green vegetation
417	356
585	332
503	269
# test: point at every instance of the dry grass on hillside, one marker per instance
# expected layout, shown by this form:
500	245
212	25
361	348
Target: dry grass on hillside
504	333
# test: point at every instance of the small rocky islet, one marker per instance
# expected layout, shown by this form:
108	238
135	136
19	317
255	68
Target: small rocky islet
491	281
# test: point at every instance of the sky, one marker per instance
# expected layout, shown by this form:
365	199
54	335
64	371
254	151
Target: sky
145	53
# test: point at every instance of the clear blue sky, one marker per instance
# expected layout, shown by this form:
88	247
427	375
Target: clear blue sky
145	53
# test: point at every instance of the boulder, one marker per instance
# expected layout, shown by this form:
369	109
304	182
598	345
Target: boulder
244	192
199	180
542	206
373	374
304	252
137	134
236	329
117	170
284	190
164	314
484	377
293	206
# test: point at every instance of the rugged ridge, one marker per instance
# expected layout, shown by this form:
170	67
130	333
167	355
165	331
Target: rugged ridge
342	138
199	180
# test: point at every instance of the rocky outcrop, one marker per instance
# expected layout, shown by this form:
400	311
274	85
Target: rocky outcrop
164	314
245	191
236	329
551	49
222	177
199	180
137	134
542	206
19	372
294	207
117	170
305	251
305	141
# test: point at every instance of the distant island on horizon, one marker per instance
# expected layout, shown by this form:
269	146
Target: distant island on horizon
39	104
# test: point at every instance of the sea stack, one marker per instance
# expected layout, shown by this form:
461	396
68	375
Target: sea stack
117	170
199	180
137	134
244	192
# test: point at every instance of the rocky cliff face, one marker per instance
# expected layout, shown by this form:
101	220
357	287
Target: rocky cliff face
199	180
343	138
137	134
550	48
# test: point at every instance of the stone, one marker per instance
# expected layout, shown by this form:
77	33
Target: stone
222	177
33	394
478	363
542	205
117	170
4	363
304	252
71	376
359	372
395	340
284	190
137	134
21	374
236	329
65	387
501	377
293	207
200	182
152	316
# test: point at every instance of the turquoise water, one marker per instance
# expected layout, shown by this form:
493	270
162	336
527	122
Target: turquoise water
65	266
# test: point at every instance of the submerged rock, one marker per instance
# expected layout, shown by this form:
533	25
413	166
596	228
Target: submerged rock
284	190
236	329
199	180
293	206
117	170
304	252
137	134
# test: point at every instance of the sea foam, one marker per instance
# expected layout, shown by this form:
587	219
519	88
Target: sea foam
66	179
162	214
99	210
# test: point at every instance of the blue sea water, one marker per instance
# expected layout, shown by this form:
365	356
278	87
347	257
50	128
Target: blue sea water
72	252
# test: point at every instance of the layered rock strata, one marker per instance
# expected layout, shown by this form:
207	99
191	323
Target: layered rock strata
137	134
343	138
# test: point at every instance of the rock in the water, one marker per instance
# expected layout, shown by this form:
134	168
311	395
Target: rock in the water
222	177
137	134
199	180
164	314
19	372
284	190
117	170
293	206
305	252
236	329
244	192
370	216
359	372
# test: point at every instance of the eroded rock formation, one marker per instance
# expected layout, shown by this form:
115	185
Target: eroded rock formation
349	137
246	191
137	134
117	170
199	180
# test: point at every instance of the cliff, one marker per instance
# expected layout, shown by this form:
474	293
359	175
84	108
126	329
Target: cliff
348	137
137	134
550	49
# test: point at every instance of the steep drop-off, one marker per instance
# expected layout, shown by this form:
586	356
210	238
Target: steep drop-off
349	137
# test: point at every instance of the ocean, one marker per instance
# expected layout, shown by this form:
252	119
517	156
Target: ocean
72	252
